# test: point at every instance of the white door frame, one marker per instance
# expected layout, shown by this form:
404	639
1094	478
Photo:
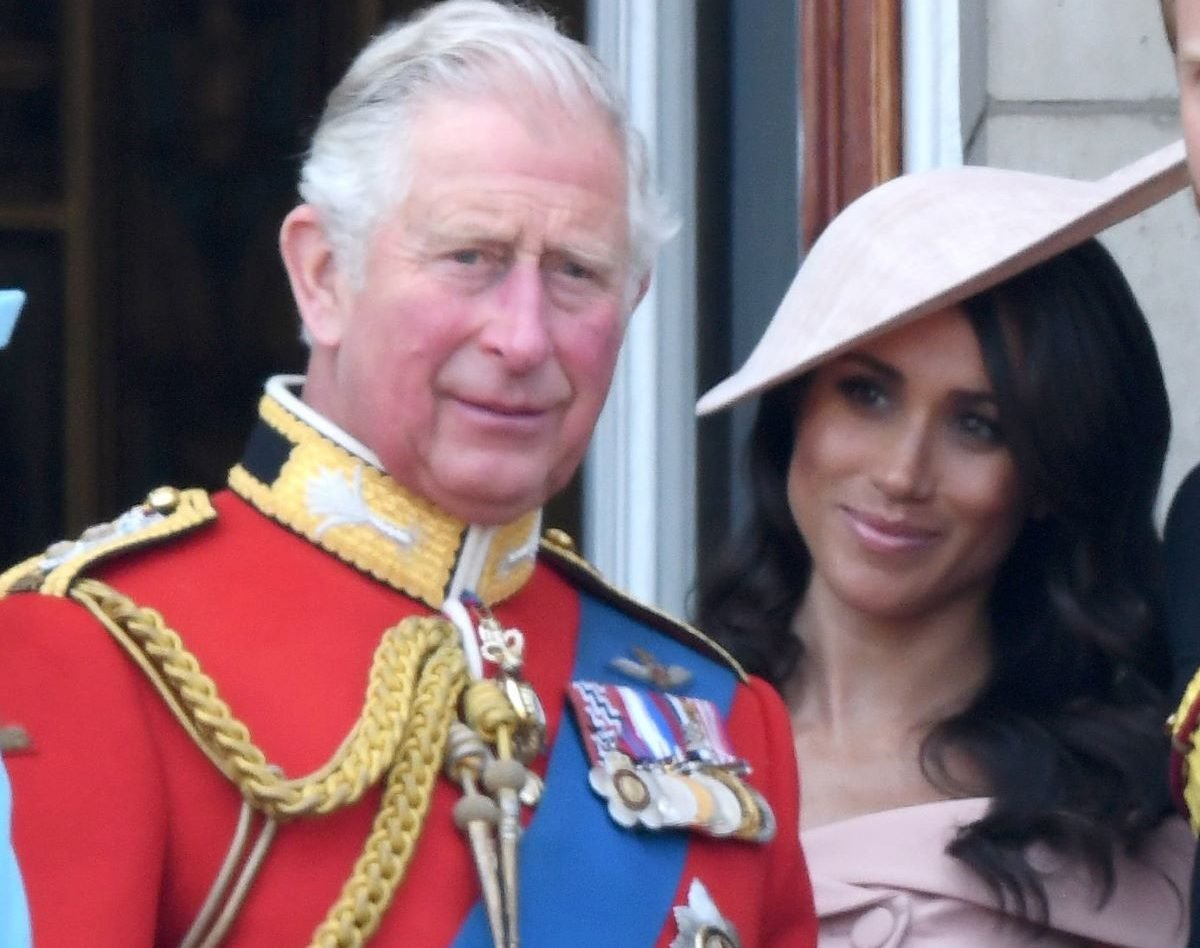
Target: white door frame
639	509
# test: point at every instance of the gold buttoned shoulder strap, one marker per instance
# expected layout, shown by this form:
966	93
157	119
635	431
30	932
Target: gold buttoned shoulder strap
1185	755
166	513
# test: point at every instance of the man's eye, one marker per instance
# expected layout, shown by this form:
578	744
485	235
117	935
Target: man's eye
467	257
566	267
576	271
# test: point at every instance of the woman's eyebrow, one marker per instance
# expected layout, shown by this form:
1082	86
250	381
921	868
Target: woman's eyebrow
977	397
872	363
889	371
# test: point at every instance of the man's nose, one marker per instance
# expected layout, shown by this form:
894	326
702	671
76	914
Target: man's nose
906	466
516	328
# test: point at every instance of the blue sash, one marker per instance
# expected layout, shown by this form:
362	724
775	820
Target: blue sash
585	881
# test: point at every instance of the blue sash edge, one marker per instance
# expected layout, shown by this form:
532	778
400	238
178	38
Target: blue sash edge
584	879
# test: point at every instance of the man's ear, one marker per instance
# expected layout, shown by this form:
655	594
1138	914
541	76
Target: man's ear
319	287
638	296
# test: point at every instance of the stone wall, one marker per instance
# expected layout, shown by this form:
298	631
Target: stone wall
1080	87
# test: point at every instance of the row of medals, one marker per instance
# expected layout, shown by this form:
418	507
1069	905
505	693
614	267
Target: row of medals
678	794
682	795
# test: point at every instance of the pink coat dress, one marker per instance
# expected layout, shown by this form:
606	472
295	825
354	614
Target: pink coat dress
884	881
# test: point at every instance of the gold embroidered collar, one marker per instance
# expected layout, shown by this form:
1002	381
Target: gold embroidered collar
341	501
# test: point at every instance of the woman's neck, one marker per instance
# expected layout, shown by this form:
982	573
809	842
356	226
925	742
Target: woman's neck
866	694
884	678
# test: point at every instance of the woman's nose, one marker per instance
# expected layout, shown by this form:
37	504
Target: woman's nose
905	468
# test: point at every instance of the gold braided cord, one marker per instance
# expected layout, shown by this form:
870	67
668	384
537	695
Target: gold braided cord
1187	747
364	756
416	677
378	872
487	711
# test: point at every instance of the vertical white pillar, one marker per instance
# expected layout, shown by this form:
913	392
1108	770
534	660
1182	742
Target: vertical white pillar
639	476
932	84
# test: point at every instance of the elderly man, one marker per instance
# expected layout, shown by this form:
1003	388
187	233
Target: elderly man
353	696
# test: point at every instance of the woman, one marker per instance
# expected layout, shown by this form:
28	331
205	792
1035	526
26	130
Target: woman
951	570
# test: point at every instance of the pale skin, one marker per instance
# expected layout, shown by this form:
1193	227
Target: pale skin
476	355
1187	32
909	500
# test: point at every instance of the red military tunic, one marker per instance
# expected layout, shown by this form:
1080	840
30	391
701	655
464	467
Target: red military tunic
121	823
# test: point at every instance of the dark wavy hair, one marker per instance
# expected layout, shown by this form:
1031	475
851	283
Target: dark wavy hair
1067	729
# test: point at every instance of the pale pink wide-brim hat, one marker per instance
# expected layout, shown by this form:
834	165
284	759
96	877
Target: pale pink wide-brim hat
922	242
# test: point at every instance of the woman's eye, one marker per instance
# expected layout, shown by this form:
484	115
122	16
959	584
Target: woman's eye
863	391
980	428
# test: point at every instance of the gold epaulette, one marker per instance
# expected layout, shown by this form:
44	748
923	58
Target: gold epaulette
1185	755
558	549
166	513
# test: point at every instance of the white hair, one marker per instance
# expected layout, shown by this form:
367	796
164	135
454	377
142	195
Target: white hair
356	168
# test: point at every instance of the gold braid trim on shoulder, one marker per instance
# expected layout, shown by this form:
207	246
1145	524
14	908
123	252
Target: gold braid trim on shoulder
166	513
380	869
416	677
1185	752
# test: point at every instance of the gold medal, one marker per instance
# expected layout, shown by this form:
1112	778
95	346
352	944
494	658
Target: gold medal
705	804
758	820
701	924
632	793
677	803
727	813
712	937
632	789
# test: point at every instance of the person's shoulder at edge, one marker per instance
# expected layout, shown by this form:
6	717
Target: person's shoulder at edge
1182	530
14	913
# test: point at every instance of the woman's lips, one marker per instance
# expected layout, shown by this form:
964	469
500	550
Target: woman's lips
886	535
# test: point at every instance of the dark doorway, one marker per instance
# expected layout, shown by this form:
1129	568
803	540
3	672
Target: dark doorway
148	150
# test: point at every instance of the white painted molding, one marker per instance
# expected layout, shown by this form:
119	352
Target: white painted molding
932	95
639	476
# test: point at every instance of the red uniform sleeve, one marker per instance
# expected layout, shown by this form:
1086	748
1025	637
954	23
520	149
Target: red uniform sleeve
791	920
88	822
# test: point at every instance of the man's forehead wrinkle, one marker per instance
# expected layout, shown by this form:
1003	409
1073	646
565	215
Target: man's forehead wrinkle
512	216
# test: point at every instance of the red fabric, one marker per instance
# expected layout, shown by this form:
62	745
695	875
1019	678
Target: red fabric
737	875
1183	734
120	823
